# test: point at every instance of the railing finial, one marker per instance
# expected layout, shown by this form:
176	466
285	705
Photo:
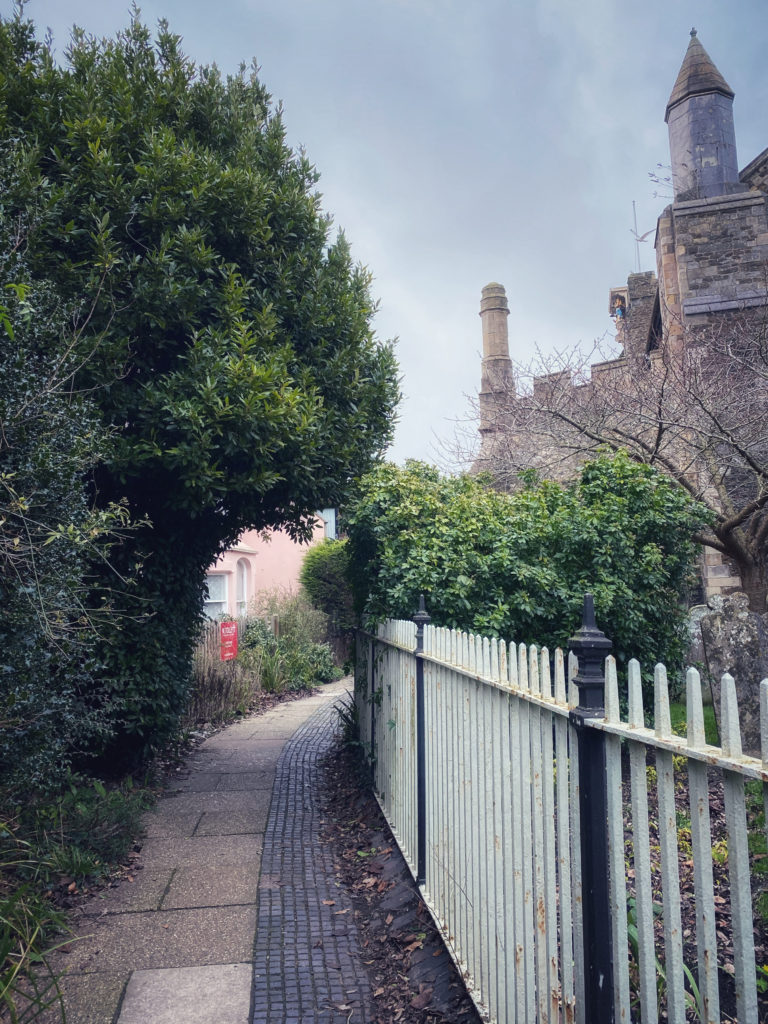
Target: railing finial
422	616
591	646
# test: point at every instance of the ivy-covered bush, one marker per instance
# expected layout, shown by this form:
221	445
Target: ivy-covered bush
226	341
517	566
53	701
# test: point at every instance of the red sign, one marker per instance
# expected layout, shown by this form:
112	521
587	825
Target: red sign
228	641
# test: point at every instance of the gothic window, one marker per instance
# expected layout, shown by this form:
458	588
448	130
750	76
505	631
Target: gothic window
241	583
655	330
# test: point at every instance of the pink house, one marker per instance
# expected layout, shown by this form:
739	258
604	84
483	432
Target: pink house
256	564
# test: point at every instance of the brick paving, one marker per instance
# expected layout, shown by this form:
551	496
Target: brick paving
307	964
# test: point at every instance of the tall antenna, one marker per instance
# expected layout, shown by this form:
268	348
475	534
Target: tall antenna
637	240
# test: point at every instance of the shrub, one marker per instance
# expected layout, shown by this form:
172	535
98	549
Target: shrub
517	566
297	658
53	703
297	616
324	577
226	340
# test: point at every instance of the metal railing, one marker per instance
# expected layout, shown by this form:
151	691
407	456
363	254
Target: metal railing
519	834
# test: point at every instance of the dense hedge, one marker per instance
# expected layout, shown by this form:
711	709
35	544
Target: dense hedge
517	565
325	577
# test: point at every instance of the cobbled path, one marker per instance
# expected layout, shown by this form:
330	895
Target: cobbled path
307	964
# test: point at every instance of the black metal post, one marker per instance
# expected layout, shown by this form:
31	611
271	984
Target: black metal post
591	647
421	618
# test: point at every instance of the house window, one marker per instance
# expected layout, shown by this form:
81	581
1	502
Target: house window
216	595
242	586
328	515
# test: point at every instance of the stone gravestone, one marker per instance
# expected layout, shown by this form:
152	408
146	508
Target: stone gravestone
735	640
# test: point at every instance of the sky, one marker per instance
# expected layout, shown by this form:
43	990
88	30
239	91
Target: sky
461	143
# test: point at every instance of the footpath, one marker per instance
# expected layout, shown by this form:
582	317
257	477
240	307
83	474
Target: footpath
235	916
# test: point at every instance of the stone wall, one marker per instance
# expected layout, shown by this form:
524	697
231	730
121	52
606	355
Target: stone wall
721	250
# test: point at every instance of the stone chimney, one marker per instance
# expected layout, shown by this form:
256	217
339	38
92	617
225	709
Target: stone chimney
496	379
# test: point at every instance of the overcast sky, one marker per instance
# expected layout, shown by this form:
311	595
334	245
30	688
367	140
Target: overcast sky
463	143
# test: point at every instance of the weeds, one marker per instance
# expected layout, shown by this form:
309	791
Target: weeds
28	923
693	1000
349	718
66	839
220	689
294	658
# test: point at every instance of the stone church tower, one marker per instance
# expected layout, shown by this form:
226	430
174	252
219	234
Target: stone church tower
712	240
711	262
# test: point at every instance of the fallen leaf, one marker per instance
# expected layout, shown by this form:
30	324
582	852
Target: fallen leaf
423	999
329	903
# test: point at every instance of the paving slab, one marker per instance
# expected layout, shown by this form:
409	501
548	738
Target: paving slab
255	801
167	824
200	887
203	851
252	746
92	998
196	782
166	938
247	780
231	823
219	994
145	892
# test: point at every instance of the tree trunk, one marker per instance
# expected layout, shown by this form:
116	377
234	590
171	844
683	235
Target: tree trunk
754	584
754	580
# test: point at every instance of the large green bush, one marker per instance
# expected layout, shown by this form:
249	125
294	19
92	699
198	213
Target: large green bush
325	577
517	566
53	702
235	360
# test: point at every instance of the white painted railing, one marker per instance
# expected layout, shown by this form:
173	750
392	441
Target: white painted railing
502	872
657	891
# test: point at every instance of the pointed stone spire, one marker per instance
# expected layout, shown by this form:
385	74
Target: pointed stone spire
702	140
697	75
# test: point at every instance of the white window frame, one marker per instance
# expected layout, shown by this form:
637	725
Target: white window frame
242	578
215	607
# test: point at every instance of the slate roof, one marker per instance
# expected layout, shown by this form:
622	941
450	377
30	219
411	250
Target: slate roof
697	75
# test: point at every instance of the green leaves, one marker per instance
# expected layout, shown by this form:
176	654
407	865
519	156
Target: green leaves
517	566
225	344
